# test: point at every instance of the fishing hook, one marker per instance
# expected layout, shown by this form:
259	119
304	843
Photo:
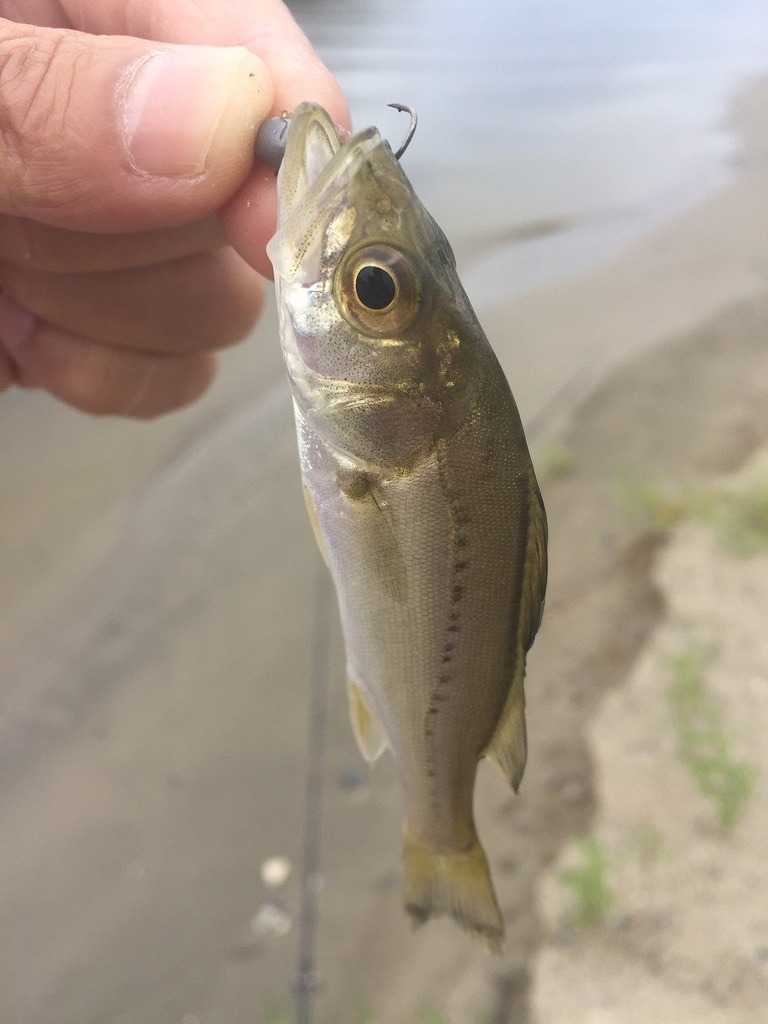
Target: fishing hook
411	127
272	136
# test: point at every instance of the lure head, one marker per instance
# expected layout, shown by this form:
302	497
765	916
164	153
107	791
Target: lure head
376	330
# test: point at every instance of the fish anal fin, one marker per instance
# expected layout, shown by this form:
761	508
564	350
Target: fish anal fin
509	746
454	883
368	730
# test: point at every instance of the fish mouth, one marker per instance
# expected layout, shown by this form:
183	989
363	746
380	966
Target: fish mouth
318	166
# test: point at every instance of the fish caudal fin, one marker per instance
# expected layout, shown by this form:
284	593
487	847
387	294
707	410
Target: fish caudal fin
457	884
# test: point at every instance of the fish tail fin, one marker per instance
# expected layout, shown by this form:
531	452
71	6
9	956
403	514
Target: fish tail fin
458	884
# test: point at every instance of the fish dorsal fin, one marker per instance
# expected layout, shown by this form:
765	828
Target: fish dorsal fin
535	572
509	746
368	730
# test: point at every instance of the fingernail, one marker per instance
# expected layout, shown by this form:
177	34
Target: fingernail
17	326
173	102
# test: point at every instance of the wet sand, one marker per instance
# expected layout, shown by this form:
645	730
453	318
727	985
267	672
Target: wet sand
159	597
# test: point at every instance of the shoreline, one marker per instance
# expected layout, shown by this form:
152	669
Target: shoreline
713	254
676	922
567	244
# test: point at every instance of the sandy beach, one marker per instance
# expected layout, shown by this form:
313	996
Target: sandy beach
159	585
662	899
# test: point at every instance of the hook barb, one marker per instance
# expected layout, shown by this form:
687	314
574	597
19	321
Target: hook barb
404	109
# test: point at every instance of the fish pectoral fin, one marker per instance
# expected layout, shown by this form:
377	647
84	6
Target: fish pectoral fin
368	730
509	746
454	883
314	522
367	509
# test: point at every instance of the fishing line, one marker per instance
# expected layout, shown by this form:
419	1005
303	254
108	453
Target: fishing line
306	975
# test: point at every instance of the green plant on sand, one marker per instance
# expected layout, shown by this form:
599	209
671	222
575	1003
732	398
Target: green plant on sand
738	515
740	519
554	462
588	883
703	744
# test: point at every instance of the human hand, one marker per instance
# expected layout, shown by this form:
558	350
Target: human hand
129	202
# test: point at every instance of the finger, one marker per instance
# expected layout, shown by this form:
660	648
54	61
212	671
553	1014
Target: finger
34	12
269	30
266	27
196	303
250	217
34	246
106	381
113	134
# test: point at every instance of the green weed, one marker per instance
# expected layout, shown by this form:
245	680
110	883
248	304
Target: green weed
703	745
281	1017
588	883
656	506
277	1017
739	516
554	462
740	519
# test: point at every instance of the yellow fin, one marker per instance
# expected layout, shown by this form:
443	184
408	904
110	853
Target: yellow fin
509	746
368	730
314	522
458	884
535	571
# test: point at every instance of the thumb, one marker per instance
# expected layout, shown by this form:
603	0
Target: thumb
111	133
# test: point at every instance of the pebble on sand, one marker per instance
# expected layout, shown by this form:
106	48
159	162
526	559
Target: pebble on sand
270	920
275	871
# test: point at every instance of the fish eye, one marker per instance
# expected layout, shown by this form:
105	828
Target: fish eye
375	287
377	291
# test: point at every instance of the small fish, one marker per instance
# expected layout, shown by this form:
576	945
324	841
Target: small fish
421	492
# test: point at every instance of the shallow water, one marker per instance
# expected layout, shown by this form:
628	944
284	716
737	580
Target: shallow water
589	122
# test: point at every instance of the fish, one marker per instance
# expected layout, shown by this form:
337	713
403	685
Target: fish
421	492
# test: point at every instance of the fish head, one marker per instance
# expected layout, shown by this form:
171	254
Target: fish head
378	336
